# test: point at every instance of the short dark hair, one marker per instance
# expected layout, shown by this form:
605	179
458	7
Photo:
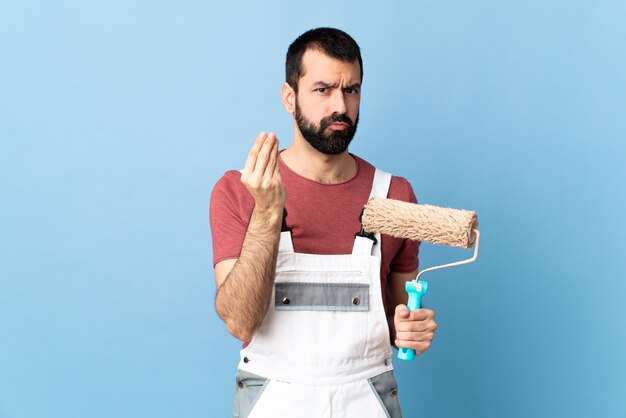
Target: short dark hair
333	42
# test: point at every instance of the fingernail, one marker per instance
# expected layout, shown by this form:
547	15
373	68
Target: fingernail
262	133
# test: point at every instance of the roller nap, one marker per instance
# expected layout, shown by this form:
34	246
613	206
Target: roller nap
426	223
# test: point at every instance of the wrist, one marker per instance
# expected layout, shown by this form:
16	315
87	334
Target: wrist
270	216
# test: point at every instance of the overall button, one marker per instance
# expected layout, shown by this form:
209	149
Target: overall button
246	360
393	392
356	301
286	301
241	385
387	362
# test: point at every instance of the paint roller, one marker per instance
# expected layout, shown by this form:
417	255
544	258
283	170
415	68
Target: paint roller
426	223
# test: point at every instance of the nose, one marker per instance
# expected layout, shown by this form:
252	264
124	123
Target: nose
339	102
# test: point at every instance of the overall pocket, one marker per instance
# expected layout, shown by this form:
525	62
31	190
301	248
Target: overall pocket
249	389
386	390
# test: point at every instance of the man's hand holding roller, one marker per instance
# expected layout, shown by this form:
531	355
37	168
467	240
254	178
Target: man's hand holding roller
415	329
244	285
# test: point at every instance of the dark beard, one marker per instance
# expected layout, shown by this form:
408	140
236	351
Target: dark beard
332	143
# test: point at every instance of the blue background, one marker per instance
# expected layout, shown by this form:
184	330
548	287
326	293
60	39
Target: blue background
117	118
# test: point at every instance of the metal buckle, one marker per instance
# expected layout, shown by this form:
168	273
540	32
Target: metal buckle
363	232
284	227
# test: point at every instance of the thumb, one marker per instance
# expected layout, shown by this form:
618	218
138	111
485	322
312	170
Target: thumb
402	312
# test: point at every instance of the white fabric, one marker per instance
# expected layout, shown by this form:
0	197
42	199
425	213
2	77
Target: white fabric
285	245
354	399
319	361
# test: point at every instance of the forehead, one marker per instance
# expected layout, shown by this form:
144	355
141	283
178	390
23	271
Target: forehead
318	66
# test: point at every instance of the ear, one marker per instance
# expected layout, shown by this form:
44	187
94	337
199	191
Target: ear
288	96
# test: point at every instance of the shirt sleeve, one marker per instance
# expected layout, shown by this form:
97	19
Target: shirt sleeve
229	212
406	259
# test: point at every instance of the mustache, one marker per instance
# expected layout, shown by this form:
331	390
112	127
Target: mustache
335	117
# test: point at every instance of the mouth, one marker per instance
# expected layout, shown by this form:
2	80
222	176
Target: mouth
338	125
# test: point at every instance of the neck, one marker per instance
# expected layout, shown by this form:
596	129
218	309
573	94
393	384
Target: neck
311	164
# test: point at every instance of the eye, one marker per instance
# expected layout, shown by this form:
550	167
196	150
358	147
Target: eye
351	91
321	90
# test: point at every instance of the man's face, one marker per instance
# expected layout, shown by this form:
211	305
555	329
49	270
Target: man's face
327	103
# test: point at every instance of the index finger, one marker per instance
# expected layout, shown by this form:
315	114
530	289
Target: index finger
419	315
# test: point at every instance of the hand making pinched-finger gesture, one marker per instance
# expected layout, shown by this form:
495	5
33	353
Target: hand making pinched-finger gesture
261	174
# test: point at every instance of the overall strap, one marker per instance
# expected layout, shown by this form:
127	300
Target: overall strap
380	188
285	244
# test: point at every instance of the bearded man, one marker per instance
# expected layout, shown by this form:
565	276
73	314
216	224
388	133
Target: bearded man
317	302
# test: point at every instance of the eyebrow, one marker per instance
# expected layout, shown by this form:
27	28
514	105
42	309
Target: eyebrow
326	85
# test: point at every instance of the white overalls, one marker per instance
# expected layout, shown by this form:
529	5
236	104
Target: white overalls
323	348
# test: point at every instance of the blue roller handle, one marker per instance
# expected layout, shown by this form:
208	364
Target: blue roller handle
415	302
